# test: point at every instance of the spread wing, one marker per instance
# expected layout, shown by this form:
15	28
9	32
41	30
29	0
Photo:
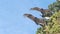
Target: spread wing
45	12
35	19
40	9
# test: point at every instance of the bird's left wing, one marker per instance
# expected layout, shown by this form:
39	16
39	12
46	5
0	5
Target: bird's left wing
35	19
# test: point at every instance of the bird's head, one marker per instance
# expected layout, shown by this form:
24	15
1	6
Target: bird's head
35	8
29	16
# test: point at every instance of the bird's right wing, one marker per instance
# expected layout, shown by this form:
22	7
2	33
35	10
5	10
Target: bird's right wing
45	12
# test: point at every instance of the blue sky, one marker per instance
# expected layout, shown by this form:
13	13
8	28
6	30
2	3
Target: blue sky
12	20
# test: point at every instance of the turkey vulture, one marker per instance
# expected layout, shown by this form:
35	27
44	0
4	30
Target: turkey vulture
36	20
45	12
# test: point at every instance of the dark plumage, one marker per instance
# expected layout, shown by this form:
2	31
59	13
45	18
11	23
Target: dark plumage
36	20
45	12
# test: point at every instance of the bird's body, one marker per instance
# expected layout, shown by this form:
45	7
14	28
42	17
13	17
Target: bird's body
36	20
45	12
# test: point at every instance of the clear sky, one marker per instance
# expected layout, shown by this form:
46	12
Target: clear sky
12	20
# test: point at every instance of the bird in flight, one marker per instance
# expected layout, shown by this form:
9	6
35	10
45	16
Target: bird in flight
36	20
45	12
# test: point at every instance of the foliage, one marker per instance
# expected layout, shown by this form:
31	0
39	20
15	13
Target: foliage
54	6
53	26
